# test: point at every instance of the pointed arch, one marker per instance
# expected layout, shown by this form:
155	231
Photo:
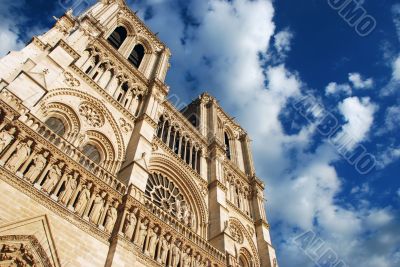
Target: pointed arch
254	252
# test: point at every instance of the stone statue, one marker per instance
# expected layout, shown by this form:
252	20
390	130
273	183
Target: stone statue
39	162
130	223
152	241
197	261
72	183
83	200
98	207
186	215
53	177
175	253
178	207
164	248
20	156
6	137
142	232
111	217
186	259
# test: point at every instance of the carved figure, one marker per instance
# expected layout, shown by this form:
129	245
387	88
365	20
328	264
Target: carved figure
6	137
111	217
186	259
142	232
164	248
130	223
175	253
98	207
83	200
53	177
72	183
39	162
20	156
152	243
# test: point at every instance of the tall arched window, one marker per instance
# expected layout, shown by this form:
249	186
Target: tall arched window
137	55
92	153
56	125
227	146
118	37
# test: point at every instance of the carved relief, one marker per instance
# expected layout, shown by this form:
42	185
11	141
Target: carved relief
235	233
91	114
130	223
20	156
53	177
70	80
39	162
111	217
83	200
6	137
125	126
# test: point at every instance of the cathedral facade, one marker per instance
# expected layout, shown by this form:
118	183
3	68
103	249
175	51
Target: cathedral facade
98	168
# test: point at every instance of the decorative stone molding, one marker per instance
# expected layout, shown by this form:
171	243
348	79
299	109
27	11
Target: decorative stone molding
235	233
125	126
91	114
70	80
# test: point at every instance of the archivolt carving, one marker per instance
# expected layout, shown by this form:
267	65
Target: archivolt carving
102	108
104	142
91	114
242	228
163	164
68	114
20	250
235	232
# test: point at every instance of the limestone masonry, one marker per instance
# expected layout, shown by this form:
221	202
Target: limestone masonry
98	169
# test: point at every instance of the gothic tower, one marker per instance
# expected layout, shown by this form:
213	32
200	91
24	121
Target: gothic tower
98	168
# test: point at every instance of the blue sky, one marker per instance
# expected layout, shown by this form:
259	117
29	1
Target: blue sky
263	60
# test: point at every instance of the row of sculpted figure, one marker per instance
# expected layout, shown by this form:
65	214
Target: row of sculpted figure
51	176
161	247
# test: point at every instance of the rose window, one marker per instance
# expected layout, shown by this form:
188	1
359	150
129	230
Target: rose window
164	193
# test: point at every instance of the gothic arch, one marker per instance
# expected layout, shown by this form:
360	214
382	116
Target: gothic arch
122	21
148	48
165	165
63	112
254	252
103	143
120	148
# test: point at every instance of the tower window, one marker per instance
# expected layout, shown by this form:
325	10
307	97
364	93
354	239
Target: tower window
136	55
56	125
193	120
92	153
227	146
118	37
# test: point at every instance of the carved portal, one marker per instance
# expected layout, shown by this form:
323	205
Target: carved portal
22	251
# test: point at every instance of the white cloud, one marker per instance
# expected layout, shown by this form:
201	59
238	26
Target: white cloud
388	156
392	118
334	88
396	69
9	30
359	116
358	82
283	41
